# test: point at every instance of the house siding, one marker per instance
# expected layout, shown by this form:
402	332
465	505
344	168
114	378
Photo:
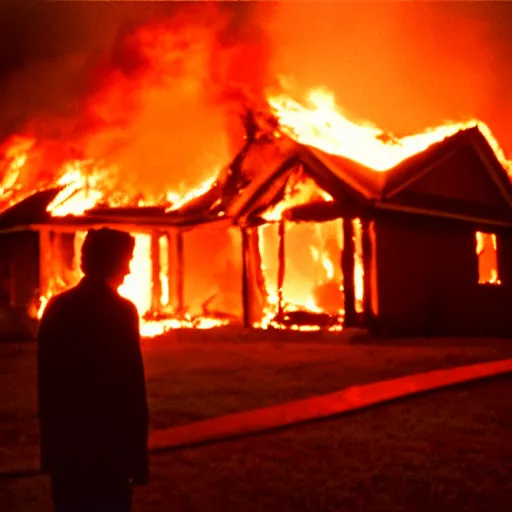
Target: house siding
427	278
19	258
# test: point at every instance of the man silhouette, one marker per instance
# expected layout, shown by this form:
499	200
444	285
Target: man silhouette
92	395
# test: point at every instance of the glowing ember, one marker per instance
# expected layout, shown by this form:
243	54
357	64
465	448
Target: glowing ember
152	328
321	124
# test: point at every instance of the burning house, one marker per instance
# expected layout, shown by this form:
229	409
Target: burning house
291	236
296	218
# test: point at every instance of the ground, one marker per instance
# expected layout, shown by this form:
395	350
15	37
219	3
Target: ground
442	451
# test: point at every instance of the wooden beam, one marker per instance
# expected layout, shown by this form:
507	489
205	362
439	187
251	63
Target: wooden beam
156	285
12	284
419	174
245	278
171	268
437	213
81	226
45	261
347	267
281	268
367	269
180	271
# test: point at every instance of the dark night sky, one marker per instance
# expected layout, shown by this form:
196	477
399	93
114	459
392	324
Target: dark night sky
402	65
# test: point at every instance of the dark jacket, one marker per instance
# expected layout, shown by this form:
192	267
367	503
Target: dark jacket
92	395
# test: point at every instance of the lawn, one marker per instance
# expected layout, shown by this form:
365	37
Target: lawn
447	451
193	376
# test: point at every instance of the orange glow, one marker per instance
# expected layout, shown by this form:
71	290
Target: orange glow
136	286
320	123
312	274
163	246
81	192
487	252
177	200
87	185
164	118
299	190
152	328
14	153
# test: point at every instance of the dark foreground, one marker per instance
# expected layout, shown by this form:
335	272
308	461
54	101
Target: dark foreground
447	451
444	451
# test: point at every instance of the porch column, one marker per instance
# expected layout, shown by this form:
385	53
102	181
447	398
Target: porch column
281	269
45	261
367	268
156	285
12	284
171	268
347	267
180	309
245	277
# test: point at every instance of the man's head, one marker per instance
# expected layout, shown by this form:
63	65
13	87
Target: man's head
106	254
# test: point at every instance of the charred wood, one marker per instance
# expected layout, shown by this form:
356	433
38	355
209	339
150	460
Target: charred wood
306	318
180	271
245	278
156	285
281	267
347	267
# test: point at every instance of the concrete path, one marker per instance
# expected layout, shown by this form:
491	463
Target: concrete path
347	400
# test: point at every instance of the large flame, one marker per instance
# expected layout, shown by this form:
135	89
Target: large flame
136	287
320	123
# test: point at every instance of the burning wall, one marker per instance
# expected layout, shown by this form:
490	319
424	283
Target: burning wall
169	289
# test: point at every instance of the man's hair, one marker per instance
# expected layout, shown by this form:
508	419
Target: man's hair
105	250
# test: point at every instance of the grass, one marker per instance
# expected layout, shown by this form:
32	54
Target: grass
447	451
382	459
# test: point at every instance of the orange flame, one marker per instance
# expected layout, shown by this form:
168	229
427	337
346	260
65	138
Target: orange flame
321	124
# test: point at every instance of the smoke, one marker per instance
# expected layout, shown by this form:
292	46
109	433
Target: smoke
156	90
404	66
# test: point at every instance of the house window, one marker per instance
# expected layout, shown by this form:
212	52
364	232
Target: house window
486	250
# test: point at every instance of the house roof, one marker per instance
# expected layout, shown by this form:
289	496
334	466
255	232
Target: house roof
267	162
465	178
30	210
412	168
459	175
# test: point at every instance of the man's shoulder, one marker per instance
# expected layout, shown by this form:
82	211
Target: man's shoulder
127	305
61	299
79	297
